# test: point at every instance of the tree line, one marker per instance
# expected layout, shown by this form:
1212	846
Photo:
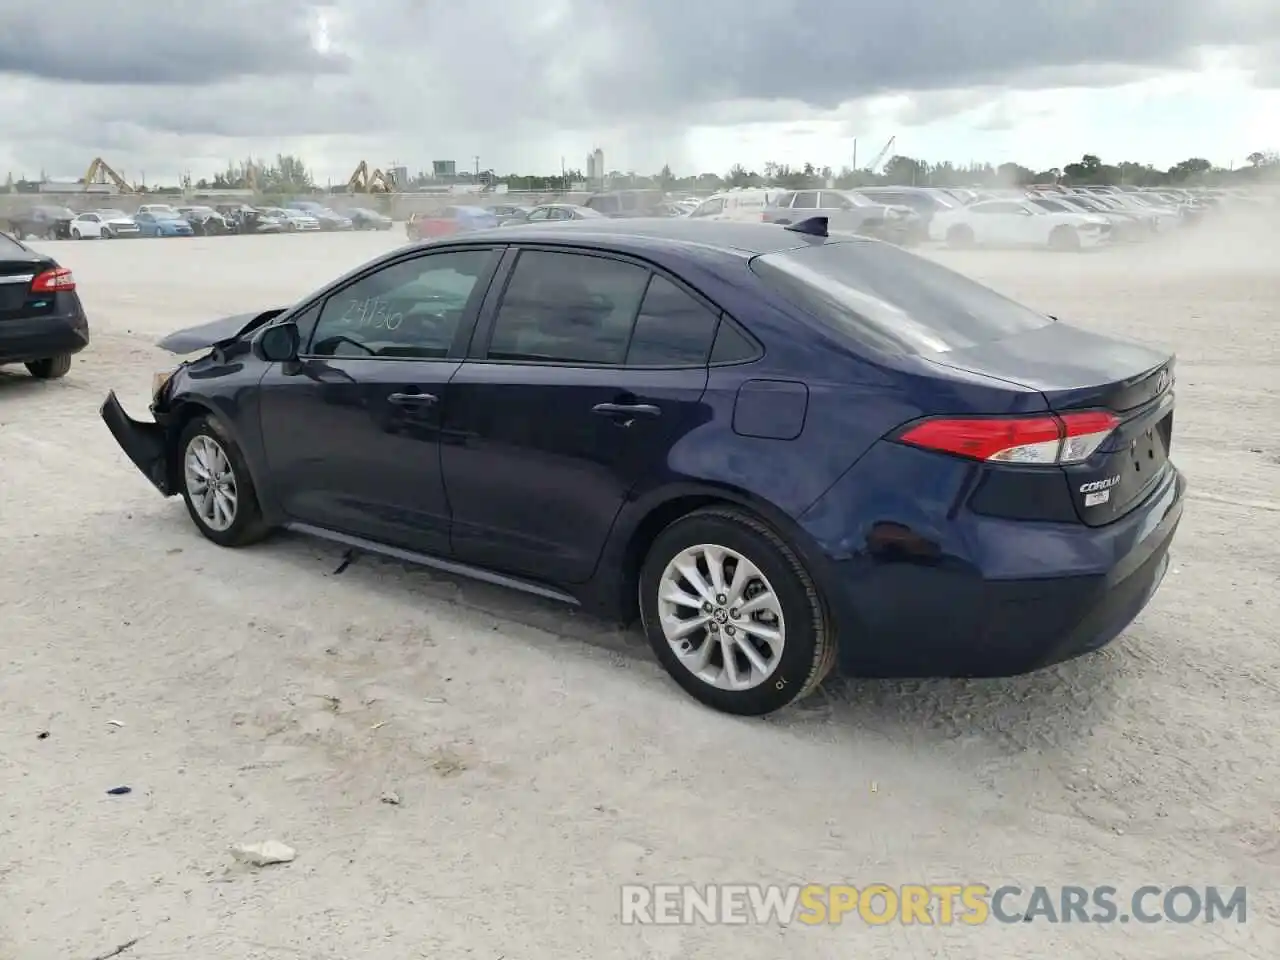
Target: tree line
290	174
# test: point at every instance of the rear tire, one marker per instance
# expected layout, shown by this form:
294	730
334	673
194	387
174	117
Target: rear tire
779	651
1064	238
216	485
75	235
961	237
51	368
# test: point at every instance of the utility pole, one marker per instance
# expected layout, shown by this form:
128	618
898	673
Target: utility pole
477	159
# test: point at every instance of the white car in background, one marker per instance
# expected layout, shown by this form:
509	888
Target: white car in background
1164	216
292	219
1017	223
103	224
745	205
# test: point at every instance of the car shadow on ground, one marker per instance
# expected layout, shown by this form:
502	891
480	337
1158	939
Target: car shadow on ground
1049	709
16	382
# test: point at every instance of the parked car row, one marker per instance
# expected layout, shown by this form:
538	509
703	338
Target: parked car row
51	222
1065	219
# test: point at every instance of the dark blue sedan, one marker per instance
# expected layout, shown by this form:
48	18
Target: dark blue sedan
785	450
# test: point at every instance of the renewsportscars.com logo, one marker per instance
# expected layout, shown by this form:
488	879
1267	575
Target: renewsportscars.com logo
971	904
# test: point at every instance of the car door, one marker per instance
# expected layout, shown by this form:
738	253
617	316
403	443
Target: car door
840	211
352	430
586	370
1011	223
146	223
712	209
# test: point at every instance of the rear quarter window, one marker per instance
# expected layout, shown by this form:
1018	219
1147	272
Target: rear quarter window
892	301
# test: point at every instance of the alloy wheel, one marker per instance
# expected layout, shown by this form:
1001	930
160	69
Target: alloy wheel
211	482
721	617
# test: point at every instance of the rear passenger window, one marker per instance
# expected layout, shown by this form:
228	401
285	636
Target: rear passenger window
567	308
673	329
806	201
732	346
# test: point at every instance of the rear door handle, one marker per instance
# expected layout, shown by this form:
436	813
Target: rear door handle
627	410
411	399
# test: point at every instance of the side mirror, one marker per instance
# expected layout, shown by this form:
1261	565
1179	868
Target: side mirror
278	343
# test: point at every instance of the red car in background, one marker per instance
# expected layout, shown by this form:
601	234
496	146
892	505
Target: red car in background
449	221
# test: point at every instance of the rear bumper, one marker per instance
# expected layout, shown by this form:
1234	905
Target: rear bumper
970	596
39	338
146	444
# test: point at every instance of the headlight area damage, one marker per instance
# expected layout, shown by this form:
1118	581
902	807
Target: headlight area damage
147	443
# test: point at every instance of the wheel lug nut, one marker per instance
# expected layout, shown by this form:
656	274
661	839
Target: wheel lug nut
722	599
730	630
714	626
706	608
734	613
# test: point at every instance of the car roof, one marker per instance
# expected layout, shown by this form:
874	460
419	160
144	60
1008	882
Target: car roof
641	234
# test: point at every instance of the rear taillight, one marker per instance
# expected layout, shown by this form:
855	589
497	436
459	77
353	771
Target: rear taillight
1048	439
53	281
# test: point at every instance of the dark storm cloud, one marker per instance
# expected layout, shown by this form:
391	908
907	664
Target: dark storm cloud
498	73
170	43
822	52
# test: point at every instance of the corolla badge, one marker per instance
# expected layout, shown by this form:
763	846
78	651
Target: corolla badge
1100	484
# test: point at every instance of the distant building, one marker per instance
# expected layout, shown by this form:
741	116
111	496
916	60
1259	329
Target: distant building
595	166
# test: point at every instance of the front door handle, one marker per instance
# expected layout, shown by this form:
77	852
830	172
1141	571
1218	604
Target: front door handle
627	410
411	399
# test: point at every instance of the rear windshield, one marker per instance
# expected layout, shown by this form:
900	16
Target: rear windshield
891	300
9	246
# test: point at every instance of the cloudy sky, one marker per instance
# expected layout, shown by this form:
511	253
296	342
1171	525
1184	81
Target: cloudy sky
158	87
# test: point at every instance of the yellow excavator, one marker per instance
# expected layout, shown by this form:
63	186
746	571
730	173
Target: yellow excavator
365	181
101	174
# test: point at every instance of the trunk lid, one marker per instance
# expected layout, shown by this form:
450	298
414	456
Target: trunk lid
1076	370
17	271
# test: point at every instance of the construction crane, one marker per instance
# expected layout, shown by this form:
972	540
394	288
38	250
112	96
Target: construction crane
874	165
363	180
101	174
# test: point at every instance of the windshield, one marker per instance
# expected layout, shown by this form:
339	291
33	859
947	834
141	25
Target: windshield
1053	205
893	301
112	214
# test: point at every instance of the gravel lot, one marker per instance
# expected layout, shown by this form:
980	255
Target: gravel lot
542	758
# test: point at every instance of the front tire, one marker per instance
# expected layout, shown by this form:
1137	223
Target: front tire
1064	238
216	485
961	237
733	615
51	368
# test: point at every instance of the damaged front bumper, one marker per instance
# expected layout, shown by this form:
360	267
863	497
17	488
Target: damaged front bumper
146	444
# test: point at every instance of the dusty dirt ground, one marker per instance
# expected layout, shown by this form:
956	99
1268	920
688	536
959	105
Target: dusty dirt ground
542	758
